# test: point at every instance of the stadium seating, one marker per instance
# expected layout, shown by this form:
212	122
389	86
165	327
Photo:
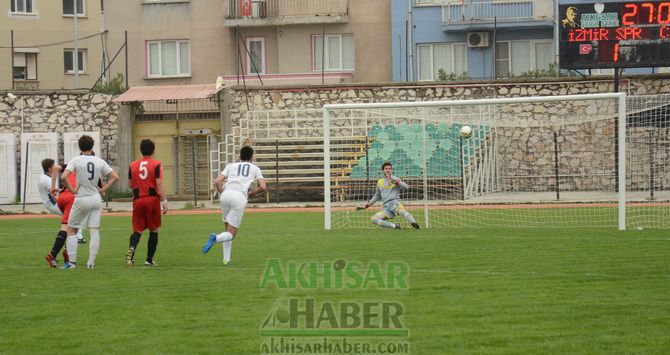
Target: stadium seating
403	146
294	166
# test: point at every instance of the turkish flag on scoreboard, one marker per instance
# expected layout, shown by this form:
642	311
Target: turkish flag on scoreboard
585	48
245	8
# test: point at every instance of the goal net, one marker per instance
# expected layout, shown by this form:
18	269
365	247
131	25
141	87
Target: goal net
556	161
648	161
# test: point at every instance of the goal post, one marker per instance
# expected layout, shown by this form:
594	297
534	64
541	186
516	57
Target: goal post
558	161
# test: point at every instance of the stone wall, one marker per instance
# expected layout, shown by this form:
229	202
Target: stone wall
314	97
60	112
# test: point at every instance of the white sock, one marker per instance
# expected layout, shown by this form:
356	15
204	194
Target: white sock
93	246
71	245
224	237
227	248
80	236
383	223
408	217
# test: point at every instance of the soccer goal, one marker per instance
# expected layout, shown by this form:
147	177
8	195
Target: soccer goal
554	161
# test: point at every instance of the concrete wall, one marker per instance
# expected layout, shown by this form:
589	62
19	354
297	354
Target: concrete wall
200	21
371	25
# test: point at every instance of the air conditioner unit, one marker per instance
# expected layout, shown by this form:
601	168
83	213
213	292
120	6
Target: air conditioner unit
478	39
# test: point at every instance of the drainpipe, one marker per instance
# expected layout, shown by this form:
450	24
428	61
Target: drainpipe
75	52
556	38
410	44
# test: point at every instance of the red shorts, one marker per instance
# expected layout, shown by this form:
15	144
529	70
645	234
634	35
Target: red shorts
146	213
65	201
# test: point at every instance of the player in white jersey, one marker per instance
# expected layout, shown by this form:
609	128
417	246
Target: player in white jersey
44	186
87	205
237	177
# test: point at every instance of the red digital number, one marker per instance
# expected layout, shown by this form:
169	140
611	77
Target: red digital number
664	18
648	12
608	52
625	19
649	6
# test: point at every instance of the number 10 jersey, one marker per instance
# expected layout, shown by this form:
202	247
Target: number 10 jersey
240	175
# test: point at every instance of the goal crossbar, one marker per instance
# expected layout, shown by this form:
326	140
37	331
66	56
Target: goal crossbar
621	134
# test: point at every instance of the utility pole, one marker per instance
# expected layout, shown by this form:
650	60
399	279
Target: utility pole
410	45
75	54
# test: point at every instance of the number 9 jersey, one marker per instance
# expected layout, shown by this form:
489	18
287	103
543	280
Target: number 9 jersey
143	174
240	175
89	169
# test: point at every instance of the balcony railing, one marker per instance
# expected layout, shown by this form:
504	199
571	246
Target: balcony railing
258	9
468	11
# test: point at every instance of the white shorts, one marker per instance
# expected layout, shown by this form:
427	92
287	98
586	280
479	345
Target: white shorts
232	207
85	212
53	208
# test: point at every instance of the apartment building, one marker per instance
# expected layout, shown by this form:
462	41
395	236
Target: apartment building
477	38
37	44
253	42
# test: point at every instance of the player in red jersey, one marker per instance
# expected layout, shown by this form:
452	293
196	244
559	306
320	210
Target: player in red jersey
64	202
149	201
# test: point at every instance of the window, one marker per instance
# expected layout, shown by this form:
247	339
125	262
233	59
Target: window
68	7
451	57
25	64
337	54
544	55
168	58
517	57
502	59
68	59
256	56
21	6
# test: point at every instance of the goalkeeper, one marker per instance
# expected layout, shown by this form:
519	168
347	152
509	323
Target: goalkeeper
388	190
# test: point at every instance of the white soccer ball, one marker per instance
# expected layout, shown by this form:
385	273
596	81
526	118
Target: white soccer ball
466	132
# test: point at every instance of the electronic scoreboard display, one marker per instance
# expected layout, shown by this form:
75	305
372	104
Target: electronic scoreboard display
614	34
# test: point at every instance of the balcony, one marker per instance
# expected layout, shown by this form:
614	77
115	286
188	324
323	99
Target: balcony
484	14
254	13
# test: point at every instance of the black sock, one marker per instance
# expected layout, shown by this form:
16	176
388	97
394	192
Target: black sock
134	240
151	246
58	243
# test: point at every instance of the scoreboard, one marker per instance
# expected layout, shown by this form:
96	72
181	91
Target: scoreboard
620	34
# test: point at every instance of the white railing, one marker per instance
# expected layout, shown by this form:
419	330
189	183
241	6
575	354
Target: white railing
504	11
285	8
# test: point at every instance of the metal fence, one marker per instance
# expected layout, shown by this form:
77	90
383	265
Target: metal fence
503	11
240	9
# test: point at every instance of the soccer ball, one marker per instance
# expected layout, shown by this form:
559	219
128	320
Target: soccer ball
466	132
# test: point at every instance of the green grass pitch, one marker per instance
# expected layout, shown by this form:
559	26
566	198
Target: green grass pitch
515	291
